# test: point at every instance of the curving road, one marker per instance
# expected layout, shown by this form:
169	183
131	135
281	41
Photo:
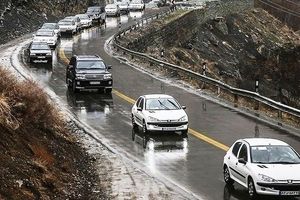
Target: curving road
198	170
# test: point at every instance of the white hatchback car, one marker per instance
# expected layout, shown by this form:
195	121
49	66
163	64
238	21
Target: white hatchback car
263	166
159	112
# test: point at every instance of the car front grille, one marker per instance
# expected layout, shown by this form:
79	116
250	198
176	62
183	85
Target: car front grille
281	186
40	54
165	124
94	76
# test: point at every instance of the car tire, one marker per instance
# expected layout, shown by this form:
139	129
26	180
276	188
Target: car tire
228	180
144	129
133	134
251	189
144	141
134	125
74	89
49	61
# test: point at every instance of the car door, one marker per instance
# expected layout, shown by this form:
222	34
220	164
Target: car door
242	168
139	114
232	159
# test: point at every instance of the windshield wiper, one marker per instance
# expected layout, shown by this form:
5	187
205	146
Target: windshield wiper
166	107
173	104
283	162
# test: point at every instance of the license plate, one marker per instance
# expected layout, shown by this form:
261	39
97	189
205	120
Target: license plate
289	192
95	82
41	57
168	129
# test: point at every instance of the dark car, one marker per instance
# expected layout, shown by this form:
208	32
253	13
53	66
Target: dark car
88	72
38	51
97	14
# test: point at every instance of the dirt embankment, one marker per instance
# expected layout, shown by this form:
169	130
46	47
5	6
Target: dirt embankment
240	44
40	159
24	16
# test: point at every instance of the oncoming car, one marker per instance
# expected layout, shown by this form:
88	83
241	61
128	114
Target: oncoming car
159	113
47	36
263	166
38	51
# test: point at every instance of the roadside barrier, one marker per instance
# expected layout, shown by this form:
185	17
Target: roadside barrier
280	112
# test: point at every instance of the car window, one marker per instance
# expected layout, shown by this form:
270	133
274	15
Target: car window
141	104
236	148
243	153
138	101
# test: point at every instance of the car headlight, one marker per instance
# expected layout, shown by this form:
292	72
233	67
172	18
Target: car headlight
266	178
153	119
48	54
80	76
183	119
32	54
107	76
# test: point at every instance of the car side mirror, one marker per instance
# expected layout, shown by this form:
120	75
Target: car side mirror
109	66
183	107
139	109
70	66
242	160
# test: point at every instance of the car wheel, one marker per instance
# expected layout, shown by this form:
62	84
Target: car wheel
228	180
74	89
144	128
251	189
134	125
49	61
133	134
144	141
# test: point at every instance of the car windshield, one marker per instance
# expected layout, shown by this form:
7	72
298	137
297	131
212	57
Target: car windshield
136	1
91	10
83	16
162	104
44	33
111	6
65	23
271	154
40	47
48	26
90	64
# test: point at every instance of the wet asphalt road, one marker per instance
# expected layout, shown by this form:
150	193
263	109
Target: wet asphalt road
199	169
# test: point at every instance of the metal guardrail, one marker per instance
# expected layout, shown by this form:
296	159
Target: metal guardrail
235	91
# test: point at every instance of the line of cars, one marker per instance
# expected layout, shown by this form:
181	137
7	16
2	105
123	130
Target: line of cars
47	37
124	7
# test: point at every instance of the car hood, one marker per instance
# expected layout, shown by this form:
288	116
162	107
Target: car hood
279	171
173	115
91	71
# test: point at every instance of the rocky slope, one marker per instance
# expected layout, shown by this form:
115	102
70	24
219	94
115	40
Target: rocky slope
23	16
240	45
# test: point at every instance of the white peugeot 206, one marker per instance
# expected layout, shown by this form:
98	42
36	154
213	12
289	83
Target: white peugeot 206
159	112
263	166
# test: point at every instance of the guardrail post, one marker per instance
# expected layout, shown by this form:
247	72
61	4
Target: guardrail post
256	85
236	100
120	26
204	69
162	53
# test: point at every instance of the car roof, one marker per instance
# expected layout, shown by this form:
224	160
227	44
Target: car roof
88	57
48	23
155	96
263	141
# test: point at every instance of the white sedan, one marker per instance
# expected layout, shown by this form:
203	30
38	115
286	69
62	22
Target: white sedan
263	166
159	112
48	36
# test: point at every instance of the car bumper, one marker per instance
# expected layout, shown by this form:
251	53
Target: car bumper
167	127
111	14
278	189
93	84
41	57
